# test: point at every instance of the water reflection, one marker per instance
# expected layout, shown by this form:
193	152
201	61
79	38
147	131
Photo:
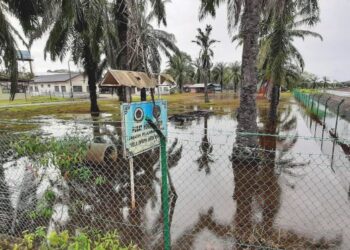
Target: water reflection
206	149
240	203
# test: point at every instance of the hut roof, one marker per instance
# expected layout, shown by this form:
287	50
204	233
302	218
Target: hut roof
166	77
118	78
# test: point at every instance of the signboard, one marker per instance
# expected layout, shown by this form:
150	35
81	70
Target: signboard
138	136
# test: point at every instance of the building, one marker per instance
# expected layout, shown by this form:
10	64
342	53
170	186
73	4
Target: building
199	88
166	84
63	85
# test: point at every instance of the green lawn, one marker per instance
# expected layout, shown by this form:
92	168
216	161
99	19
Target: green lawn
31	100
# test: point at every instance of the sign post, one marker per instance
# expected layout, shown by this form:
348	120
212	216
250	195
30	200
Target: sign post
138	135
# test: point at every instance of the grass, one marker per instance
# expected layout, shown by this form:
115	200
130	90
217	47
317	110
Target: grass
220	103
32	100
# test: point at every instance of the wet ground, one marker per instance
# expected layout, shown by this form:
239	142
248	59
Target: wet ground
297	197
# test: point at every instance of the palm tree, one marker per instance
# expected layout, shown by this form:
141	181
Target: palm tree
218	73
314	80
235	74
246	15
206	150
179	66
121	11
278	53
83	29
206	53
197	64
28	13
325	82
145	42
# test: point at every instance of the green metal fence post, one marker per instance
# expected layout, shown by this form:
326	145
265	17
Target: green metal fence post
164	191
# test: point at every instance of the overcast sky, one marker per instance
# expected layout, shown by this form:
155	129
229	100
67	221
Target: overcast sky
329	58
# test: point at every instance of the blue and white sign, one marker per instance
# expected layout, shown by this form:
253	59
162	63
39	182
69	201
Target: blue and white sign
138	136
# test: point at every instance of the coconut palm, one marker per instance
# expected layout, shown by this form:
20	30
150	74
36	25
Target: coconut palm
278	53
83	29
314	81
235	74
218	73
197	64
179	66
325	82
144	42
246	14
121	12
204	41
28	13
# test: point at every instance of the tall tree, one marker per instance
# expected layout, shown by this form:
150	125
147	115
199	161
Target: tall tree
235	75
278	53
29	14
81	28
121	15
144	42
218	73
205	43
179	66
197	64
325	82
246	15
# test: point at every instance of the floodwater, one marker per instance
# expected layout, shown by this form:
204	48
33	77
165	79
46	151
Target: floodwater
297	197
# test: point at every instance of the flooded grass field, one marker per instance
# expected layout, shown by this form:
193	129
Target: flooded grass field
298	197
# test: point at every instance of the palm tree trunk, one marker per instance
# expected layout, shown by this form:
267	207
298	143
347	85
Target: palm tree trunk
143	95
206	96
221	84
235	87
247	113
94	109
275	97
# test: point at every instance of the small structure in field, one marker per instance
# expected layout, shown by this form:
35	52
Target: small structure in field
127	81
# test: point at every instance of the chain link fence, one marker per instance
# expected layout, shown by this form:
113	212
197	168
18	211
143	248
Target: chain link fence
278	196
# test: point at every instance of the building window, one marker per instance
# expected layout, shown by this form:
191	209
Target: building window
42	85
77	89
48	85
36	89
57	89
30	89
63	89
166	89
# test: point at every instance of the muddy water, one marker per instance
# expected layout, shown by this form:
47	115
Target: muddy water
297	198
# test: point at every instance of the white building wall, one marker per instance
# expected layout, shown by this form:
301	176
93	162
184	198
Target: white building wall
62	89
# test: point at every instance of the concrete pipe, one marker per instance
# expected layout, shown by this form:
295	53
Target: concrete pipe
99	153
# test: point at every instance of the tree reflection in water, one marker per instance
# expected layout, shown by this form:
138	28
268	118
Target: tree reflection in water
258	195
206	150
106	206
